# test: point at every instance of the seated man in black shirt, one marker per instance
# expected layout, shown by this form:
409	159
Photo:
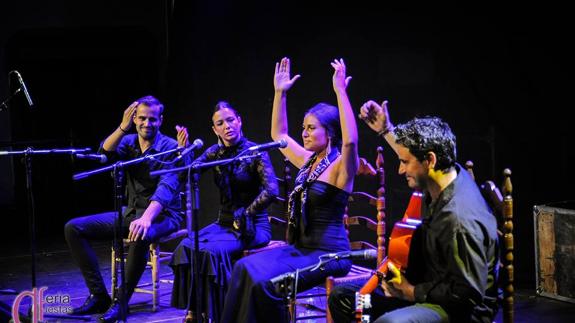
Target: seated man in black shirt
457	249
152	211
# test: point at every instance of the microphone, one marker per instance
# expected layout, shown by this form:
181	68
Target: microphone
270	145
197	144
99	157
367	254
23	86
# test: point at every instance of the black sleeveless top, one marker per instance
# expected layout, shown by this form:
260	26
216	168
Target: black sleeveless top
325	209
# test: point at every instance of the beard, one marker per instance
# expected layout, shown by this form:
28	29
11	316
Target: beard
418	182
147	133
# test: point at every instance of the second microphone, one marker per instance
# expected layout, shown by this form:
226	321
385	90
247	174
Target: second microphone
197	144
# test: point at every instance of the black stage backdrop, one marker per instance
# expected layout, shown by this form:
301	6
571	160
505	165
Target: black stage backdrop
494	74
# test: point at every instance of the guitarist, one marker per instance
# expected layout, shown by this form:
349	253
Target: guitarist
457	247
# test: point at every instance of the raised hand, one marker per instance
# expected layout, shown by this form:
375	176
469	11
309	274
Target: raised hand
376	116
128	118
340	81
282	80
182	136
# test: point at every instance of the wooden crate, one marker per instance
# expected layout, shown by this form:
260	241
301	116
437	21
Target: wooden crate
555	250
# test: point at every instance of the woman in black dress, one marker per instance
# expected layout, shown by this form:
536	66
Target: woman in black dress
328	162
247	188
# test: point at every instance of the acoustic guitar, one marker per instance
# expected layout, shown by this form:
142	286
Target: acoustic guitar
399	244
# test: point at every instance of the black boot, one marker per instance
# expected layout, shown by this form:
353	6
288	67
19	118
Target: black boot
94	304
112	314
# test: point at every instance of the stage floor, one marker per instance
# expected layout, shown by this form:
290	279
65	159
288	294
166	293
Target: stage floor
56	271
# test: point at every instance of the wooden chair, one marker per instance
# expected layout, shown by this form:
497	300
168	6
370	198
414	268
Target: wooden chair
359	273
155	258
502	206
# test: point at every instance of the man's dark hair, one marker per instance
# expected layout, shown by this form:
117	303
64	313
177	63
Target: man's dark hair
423	135
151	101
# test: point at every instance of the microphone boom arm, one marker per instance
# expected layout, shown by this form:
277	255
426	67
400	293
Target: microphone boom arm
194	167
122	164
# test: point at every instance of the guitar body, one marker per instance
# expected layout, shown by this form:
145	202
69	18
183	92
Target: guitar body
399	243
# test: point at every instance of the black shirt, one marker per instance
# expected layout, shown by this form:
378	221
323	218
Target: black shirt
460	252
142	188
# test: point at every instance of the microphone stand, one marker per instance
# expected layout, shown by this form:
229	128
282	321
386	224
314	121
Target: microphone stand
4	103
118	245
287	283
31	210
192	211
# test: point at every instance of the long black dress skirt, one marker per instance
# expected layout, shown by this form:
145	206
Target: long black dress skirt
251	295
258	300
220	247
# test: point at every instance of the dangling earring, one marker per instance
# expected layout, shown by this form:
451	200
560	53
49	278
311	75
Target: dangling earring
328	149
220	142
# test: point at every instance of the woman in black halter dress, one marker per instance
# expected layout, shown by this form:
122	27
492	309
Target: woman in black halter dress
246	188
316	206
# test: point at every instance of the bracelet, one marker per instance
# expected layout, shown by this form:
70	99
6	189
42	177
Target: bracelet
386	130
122	130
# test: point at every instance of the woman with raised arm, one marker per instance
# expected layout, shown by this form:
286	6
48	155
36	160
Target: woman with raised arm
328	162
246	188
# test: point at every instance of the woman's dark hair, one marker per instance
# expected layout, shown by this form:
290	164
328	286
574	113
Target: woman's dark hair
423	135
225	105
328	117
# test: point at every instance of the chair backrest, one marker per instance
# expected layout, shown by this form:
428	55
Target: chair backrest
501	202
278	212
378	202
285	183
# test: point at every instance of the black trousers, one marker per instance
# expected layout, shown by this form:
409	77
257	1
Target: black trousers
80	231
